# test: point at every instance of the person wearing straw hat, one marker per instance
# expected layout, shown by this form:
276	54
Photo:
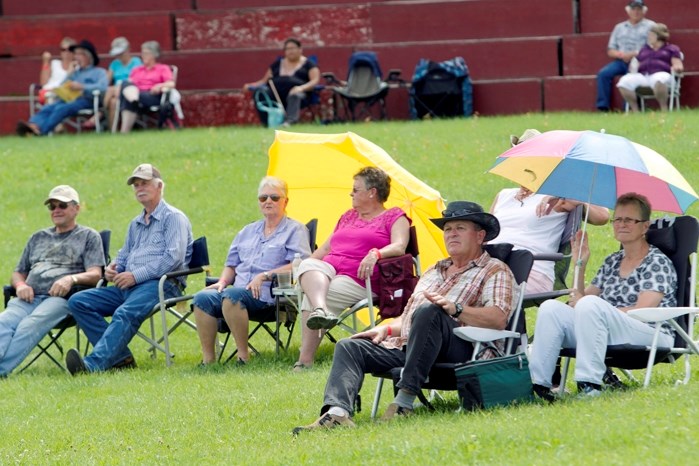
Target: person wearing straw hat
536	222
292	79
637	276
467	288
54	260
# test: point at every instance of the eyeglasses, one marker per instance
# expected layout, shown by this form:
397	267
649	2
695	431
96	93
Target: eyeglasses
59	205
626	220
264	197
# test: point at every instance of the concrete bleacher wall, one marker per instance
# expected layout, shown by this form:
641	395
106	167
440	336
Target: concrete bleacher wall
539	56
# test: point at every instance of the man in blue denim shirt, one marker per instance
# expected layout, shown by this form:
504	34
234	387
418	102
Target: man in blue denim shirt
83	75
158	241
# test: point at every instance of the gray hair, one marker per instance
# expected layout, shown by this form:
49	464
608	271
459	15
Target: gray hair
274	182
152	46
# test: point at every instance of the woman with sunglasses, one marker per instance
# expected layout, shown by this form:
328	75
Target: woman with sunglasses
335	275
55	71
258	251
639	275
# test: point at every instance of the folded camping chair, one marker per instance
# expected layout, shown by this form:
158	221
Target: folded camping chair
52	337
397	279
363	90
166	114
198	263
677	238
285	313
441	89
442	376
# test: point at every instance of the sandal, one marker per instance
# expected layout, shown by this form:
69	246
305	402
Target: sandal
321	319
300	367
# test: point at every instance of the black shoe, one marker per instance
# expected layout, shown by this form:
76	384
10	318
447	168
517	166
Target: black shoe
589	390
74	362
128	363
612	381
544	393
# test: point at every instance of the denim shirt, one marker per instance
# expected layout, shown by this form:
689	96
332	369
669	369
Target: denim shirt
161	246
92	78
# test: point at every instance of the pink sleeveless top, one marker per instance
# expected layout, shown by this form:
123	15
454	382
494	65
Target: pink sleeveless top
354	237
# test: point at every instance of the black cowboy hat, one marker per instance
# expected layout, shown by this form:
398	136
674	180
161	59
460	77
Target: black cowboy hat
87	45
465	210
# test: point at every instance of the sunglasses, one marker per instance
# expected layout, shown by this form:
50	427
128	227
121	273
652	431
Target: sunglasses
65	49
264	197
60	205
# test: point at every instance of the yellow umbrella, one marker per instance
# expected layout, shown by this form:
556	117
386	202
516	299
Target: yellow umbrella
318	169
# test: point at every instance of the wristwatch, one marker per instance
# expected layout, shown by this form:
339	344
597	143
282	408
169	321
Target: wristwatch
459	310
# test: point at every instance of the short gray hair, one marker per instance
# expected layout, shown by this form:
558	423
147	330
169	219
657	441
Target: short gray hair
152	46
274	182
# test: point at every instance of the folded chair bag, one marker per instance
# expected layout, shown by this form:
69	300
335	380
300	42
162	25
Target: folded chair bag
273	109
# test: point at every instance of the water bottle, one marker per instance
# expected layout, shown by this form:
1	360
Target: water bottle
295	267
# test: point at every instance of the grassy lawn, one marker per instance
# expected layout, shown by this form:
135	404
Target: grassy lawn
186	415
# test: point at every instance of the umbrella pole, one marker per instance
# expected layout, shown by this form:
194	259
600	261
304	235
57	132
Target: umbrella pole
578	263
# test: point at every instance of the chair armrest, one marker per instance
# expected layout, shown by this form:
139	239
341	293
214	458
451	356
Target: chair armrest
535	299
394	75
181	273
659	314
482	335
553	257
331	79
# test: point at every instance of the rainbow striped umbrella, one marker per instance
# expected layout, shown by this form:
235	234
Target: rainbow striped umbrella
595	168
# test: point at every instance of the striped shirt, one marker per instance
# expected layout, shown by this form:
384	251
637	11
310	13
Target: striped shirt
483	282
161	246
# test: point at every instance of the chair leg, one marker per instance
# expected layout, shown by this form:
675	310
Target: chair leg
377	398
564	375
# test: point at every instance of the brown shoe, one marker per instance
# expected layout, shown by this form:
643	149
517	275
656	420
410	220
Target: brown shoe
326	421
395	411
128	363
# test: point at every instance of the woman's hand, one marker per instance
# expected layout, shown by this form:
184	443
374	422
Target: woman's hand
296	90
255	285
577	254
546	206
366	266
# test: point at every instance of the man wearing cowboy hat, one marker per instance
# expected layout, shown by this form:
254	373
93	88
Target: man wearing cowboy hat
83	78
626	40
54	260
158	241
467	288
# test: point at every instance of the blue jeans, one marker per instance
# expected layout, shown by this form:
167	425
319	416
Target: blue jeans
211	302
51	115
23	325
605	76
128	308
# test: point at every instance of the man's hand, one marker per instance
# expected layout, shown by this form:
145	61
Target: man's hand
61	287
448	306
110	272
376	334
218	286
25	293
124	280
76	86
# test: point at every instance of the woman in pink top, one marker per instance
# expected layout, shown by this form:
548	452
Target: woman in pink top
334	277
145	84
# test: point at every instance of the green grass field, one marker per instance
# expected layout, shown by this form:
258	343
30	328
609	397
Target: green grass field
186	415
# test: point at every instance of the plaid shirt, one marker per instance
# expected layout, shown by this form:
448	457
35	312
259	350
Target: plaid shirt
484	282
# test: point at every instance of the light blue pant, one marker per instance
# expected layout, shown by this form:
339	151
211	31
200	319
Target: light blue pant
23	325
128	308
589	327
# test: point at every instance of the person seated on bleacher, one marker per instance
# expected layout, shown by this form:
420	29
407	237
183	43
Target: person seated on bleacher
145	85
334	278
83	78
536	222
293	76
158	241
637	276
626	40
258	251
54	260
467	288
117	72
54	72
656	60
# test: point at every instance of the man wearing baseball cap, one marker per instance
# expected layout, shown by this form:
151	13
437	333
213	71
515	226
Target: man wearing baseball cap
158	241
626	40
54	260
467	288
